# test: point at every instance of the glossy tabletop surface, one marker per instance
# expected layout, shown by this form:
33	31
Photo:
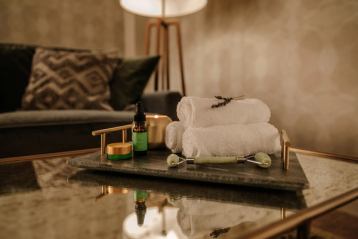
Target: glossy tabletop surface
51	199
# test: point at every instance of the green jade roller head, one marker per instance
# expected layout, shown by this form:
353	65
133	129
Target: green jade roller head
262	160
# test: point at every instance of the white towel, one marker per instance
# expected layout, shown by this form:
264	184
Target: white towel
231	140
197	112
173	136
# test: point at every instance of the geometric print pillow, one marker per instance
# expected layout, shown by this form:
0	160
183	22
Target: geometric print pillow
69	80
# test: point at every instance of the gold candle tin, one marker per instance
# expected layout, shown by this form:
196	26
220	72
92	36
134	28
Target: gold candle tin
156	125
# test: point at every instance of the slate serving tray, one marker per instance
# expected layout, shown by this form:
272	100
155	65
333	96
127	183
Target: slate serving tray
245	174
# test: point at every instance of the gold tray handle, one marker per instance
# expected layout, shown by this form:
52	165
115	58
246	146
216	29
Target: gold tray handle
285	149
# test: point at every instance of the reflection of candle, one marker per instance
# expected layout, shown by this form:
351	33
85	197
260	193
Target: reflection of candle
152	226
140	207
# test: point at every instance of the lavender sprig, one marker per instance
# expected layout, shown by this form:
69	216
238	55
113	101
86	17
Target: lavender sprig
225	100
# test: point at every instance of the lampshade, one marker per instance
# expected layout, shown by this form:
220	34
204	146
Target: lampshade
154	8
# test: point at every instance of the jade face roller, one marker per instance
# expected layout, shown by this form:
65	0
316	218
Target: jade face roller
262	160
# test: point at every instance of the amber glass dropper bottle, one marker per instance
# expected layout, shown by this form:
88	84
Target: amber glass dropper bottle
139	132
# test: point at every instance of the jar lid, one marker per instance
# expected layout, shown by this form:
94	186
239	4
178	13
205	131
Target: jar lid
119	148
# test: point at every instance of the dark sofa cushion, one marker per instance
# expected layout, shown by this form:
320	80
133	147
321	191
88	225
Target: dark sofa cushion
39	132
15	69
64	117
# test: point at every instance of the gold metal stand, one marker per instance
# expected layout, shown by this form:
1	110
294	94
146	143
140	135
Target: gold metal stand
162	48
286	148
302	218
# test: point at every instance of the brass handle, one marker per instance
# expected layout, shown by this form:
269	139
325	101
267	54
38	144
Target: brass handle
111	130
285	149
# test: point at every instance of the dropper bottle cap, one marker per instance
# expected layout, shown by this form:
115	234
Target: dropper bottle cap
140	210
139	116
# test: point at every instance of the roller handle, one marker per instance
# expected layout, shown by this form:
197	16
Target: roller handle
218	160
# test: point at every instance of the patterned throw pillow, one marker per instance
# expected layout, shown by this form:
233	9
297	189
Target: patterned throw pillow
69	80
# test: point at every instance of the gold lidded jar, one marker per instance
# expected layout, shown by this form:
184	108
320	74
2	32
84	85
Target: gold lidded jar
156	125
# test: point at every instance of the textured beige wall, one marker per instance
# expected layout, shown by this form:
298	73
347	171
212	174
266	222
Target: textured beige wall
91	24
299	56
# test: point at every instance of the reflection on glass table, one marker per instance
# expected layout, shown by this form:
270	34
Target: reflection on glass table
50	199
159	215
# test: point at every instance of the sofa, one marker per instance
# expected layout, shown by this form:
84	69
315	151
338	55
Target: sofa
27	132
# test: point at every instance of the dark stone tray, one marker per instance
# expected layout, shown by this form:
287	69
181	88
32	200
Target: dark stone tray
244	174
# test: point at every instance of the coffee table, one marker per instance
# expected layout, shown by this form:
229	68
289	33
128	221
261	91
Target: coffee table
44	197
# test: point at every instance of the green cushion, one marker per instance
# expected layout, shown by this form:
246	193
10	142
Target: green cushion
129	80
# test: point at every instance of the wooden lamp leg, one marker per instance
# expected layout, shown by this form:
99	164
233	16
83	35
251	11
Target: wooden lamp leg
166	53
156	77
163	49
147	44
147	36
180	51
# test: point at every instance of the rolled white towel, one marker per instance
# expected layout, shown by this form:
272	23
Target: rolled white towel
235	139
173	136
197	112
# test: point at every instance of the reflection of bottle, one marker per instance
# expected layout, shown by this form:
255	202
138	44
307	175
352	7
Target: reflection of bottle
140	207
139	132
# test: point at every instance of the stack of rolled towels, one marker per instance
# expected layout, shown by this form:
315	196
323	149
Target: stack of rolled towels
238	128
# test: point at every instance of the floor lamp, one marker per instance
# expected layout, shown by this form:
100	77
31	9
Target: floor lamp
163	12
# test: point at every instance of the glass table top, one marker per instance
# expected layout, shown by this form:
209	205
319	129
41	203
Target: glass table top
51	199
